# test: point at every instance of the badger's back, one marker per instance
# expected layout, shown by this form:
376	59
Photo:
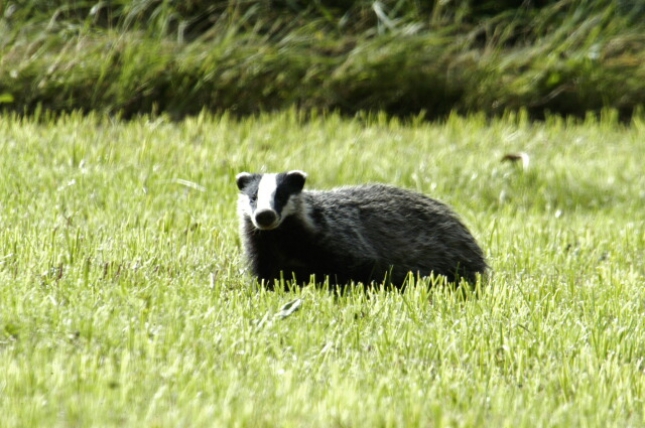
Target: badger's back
397	228
361	234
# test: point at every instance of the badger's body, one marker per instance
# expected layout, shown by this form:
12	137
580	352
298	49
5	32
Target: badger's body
362	234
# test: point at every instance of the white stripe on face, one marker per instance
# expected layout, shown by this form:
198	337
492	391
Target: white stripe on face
244	205
266	193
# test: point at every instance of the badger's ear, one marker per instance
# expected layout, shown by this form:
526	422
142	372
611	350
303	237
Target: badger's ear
243	179
296	179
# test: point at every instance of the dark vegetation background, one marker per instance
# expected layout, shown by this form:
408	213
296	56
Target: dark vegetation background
405	57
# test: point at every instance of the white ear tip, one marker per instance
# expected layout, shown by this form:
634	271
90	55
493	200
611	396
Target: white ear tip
297	172
242	174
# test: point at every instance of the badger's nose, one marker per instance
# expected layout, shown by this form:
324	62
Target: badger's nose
266	218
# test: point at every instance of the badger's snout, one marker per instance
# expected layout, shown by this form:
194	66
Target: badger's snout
266	219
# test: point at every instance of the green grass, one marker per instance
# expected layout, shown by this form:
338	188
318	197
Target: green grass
249	56
123	300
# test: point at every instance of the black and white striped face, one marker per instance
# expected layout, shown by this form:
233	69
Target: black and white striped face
266	199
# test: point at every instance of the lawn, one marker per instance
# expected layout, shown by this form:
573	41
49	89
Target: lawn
124	299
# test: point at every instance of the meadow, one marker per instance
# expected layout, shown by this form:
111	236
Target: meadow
124	300
404	57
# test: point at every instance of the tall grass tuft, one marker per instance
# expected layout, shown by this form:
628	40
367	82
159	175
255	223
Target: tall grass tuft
404	57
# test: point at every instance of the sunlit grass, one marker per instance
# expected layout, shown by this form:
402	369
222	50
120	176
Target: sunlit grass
123	298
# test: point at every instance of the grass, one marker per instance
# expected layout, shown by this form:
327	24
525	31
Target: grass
123	299
249	56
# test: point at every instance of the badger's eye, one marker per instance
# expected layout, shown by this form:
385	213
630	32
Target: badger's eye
253	198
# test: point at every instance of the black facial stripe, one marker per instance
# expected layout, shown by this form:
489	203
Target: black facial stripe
251	189
282	192
285	188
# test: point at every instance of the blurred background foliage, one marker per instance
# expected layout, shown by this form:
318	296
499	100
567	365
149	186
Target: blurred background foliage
404	57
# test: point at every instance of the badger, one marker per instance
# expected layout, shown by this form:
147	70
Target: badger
362	234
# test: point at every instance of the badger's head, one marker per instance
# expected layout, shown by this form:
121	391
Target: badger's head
267	199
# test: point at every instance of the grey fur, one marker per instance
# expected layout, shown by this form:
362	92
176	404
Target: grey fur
362	233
